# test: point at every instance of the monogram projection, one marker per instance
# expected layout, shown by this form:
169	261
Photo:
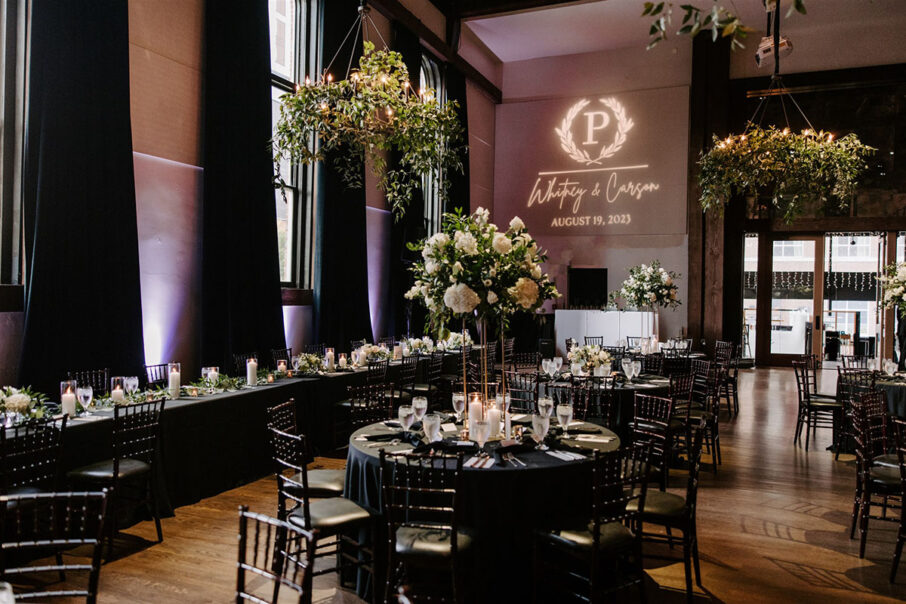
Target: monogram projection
599	164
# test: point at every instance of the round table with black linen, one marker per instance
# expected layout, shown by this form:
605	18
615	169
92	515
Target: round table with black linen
502	505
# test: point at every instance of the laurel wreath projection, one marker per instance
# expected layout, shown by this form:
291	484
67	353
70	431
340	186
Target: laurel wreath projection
568	144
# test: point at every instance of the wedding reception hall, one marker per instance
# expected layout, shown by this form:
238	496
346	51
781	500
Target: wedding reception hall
473	301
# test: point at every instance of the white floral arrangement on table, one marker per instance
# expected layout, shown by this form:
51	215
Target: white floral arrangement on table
22	401
454	341
648	286
893	284
423	345
589	356
472	266
308	363
372	352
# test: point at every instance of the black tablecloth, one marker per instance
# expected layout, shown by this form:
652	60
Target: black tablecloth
503	505
896	396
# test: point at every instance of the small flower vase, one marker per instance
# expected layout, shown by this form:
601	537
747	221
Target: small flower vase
576	368
607	369
600	370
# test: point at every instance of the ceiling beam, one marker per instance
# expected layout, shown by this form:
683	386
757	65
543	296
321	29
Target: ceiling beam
393	10
468	9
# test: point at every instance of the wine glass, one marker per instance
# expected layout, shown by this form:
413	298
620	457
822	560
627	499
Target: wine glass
626	362
558	363
406	416
131	384
459	405
564	416
297	361
545	406
420	405
431	425
545	366
482	431
540	425
636	368
85	395
503	403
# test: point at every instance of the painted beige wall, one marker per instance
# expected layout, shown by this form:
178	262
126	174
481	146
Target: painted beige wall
481	116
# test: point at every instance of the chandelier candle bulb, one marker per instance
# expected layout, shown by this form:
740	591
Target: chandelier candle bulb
174	379
251	372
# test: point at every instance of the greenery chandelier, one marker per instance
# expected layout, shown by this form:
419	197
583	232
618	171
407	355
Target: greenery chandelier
359	119
794	169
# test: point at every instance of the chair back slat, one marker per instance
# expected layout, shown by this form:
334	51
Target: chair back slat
156	375
408	370
283	417
523	389
136	431
526	361
870	418
594	340
377	371
314	348
368	404
653	363
240	359
30	454
98	379
274	556
650	423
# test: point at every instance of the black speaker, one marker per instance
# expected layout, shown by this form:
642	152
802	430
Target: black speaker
586	287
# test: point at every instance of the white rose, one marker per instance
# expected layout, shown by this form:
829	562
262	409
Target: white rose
413	292
516	224
492	298
502	244
465	242
439	239
426	251
457	268
461	298
536	271
482	215
525	292
430	267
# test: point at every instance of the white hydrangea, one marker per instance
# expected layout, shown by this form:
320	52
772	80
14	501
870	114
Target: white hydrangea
466	243
461	298
525	292
17	403
502	244
482	216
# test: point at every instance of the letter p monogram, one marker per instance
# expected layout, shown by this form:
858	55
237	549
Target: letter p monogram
594	120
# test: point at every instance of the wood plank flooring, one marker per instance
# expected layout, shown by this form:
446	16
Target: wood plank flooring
773	525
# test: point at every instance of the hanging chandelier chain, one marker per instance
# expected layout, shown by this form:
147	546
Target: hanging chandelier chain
359	25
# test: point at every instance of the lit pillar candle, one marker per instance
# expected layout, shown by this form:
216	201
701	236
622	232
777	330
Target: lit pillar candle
174	381
251	372
328	356
342	360
68	402
474	414
494	420
117	395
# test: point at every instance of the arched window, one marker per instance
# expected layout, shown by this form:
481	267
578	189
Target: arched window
430	76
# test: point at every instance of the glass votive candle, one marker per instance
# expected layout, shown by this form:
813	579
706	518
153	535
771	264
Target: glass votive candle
193	391
173	379
281	366
118	389
270	378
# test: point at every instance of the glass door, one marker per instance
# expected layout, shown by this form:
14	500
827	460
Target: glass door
792	323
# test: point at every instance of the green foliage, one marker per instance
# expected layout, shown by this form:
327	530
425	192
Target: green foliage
793	169
719	20
373	111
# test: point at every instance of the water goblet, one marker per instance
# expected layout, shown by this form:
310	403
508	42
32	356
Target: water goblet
85	394
431	425
636	368
131	384
482	431
503	403
564	416
420	405
406	416
545	366
459	405
545	406
558	363
626	363
296	362
540	425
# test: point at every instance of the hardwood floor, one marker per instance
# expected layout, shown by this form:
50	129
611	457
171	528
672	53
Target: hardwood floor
773	525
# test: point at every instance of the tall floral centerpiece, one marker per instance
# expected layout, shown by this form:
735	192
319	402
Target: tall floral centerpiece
649	286
473	268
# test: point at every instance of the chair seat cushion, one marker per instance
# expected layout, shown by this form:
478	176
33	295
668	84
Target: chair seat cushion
429	543
700	415
331	515
102	471
885	475
321	483
400	395
888	460
660	506
614	538
423	388
820	396
828	403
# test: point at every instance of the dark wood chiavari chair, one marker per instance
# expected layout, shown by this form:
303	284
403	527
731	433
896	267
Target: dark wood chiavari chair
651	426
355	344
368	404
526	362
155	375
130	475
653	364
462	356
730	377
899	431
812	364
851	384
594	340
600	403
813	413
523	390
676	364
432	387
321	482
314	348
680	393
616	352
571	394
30	456
275	555
336	517
855	362
282	354
98	379
705	405
598	559
634	341
422	499
676	512
388	341
377	372
32	524
876	477
241	359
509	350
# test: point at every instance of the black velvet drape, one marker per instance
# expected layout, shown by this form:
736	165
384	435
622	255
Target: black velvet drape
341	260
241	299
459	183
405	316
83	294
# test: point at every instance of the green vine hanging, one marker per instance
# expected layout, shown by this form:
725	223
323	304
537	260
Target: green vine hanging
374	110
794	169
